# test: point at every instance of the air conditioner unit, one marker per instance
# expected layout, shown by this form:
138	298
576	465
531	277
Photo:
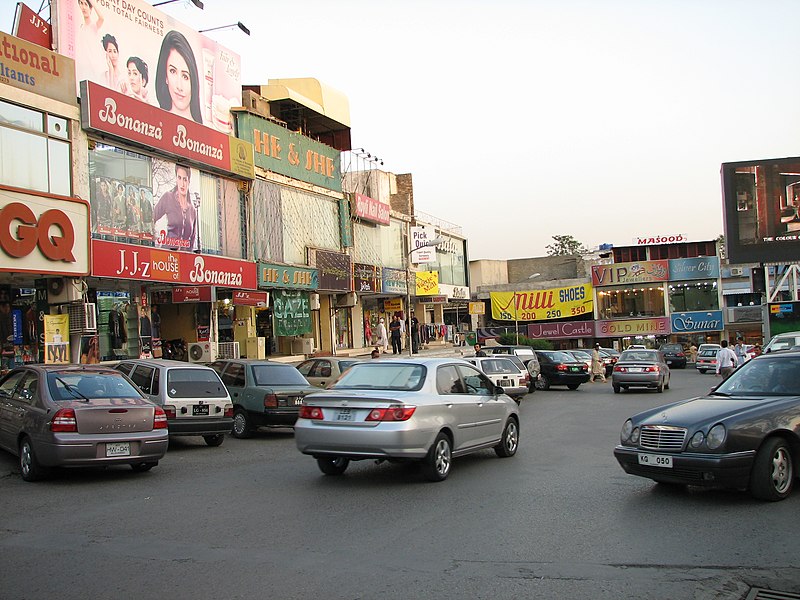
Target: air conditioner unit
346	300
303	346
228	350
82	317
313	301
736	271
62	290
202	352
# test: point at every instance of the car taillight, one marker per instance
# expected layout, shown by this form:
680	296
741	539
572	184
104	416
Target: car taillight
270	401
526	379
561	367
64	420
228	410
393	413
681	354
310	412
618	369
169	411
160	418
651	369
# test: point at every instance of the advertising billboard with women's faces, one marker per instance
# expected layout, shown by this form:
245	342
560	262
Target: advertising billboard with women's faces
136	50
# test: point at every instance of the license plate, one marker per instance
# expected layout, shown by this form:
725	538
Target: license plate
656	460
635	369
298	400
344	415
669	362
118	449
574	369
200	409
504	383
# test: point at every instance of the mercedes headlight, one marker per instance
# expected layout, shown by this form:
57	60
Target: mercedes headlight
697	440
716	436
627	428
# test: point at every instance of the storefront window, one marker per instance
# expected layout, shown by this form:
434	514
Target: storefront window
685	297
623	303
32	158
343	330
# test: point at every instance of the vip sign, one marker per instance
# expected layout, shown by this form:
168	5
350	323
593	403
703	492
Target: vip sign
43	233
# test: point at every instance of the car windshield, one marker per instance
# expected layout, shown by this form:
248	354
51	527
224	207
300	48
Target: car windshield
767	377
194	383
638	355
278	375
387	376
66	385
498	366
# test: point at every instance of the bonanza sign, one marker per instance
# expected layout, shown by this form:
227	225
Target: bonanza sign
540	305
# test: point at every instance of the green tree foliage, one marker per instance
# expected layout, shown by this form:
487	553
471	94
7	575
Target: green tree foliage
565	245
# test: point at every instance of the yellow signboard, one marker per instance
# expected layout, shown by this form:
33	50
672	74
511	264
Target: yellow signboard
56	339
542	305
477	308
391	305
427	283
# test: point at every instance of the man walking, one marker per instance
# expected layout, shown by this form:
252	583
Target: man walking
726	360
598	366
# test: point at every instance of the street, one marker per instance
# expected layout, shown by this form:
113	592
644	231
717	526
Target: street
256	519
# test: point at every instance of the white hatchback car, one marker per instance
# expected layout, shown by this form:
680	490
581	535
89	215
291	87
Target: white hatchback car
503	373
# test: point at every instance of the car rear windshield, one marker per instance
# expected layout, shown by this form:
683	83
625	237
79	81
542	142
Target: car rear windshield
559	357
194	383
278	375
709	352
641	355
67	385
672	348
498	366
368	376
523	351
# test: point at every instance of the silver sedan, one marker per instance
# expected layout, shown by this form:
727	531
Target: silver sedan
429	410
640	368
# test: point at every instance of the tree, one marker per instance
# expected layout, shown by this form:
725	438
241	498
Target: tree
566	245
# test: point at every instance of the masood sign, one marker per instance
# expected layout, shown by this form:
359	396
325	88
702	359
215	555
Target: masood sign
43	233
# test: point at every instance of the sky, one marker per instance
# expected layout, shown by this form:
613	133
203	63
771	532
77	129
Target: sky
520	120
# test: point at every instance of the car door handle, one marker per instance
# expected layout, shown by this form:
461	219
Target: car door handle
449	405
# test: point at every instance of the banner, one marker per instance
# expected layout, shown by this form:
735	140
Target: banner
634	272
427	283
56	339
35	69
367	278
541	305
137	50
291	312
632	327
697	321
335	270
282	276
421	252
704	267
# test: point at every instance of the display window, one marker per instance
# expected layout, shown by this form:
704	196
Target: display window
621	303
697	295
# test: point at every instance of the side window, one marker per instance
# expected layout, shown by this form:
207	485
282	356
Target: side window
305	367
143	378
124	367
234	375
28	391
323	368
7	387
218	366
477	382
448	381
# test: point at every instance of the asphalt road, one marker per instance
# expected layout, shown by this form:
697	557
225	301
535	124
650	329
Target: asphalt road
256	519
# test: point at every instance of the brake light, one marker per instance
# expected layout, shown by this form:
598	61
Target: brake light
618	369
681	354
228	410
561	367
651	369
270	401
65	421
310	412
160	418
169	411
526	379
393	413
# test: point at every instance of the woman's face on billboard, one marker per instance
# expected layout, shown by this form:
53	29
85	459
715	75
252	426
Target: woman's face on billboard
179	82
135	78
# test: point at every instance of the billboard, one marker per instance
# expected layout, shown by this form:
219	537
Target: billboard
761	200
542	305
136	50
784	317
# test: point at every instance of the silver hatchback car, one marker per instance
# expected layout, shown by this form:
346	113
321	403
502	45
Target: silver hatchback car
428	410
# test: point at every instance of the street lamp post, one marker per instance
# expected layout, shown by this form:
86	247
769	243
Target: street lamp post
434	242
516	316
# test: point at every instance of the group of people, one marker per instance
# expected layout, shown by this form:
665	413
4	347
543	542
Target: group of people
395	335
729	358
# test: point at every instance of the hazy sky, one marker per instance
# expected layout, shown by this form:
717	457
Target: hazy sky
520	120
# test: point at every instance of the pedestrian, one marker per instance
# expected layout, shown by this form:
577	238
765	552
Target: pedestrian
413	327
383	339
598	366
692	353
740	352
479	351
394	334
756	350
726	360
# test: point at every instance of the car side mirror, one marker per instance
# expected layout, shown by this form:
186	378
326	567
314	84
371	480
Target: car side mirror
498	390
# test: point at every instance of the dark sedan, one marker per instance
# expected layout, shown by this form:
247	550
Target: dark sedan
560	368
265	393
674	354
744	434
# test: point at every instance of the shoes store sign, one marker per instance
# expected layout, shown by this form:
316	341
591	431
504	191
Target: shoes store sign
43	233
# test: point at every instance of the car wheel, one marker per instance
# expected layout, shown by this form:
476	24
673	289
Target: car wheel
332	465
660	386
214	440
143	466
772	475
573	386
436	466
241	425
666	384
510	441
29	466
543	383
616	388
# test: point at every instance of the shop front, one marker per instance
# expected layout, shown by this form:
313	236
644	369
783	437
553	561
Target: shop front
287	321
694	300
336	296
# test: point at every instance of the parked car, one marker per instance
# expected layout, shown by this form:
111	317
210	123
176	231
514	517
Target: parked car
582	356
743	434
324	370
674	354
783	341
640	368
525	353
609	360
193	397
636	347
707	360
81	416
265	393
560	368
714	347
504	373
428	410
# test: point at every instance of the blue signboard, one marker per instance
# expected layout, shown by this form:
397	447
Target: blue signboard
696	322
703	267
394	281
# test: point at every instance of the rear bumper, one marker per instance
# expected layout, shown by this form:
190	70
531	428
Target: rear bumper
567	378
200	426
377	442
650	380
81	450
278	417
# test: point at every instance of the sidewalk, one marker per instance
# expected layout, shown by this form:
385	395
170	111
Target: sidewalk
434	349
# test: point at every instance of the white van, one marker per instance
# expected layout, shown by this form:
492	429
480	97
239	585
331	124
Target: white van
783	341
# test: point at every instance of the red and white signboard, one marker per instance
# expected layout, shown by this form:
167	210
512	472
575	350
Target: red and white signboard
652	240
29	26
43	233
191	294
369	209
144	263
246	298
